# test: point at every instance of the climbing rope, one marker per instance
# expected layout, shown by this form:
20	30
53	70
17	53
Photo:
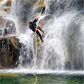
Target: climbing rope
36	49
35	59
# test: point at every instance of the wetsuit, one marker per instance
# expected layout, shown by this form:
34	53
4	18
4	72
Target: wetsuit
33	28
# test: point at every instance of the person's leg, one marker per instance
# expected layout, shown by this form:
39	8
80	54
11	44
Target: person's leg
39	35
40	29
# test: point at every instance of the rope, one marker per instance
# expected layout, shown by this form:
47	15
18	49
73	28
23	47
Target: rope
35	60
36	50
65	51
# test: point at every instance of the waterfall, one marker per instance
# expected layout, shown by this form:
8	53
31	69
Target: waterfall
63	41
22	12
63	35
26	58
60	6
3	3
55	53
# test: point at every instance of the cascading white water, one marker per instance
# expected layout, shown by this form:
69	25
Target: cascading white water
57	40
26	58
57	51
54	53
27	50
2	3
8	26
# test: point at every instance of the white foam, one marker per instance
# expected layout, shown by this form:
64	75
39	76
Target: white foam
29	71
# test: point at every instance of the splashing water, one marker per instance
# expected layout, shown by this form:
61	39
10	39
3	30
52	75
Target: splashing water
55	52
63	43
26	52
2	3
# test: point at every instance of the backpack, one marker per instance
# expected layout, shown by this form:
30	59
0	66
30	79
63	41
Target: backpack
30	24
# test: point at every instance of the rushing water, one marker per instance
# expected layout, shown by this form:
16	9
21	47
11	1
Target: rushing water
62	50
55	52
63	40
3	3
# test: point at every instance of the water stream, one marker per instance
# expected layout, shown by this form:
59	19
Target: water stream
63	46
60	50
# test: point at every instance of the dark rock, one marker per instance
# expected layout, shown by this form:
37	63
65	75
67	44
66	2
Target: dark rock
8	53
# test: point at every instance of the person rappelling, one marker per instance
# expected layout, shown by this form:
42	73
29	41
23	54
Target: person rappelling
34	28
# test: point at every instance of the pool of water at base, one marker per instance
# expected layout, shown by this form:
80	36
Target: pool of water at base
7	78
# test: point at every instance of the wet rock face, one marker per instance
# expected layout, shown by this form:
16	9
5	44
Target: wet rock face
27	11
81	4
64	5
24	9
7	27
45	20
75	42
9	45
28	8
9	55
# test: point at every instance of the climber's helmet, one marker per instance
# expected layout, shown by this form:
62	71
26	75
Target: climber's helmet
36	19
